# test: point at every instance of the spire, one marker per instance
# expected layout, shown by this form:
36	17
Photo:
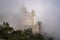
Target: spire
33	17
23	8
33	13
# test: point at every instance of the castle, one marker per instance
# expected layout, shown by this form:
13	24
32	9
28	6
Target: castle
29	20
22	20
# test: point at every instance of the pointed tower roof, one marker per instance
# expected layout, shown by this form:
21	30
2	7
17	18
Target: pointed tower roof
33	13
23	8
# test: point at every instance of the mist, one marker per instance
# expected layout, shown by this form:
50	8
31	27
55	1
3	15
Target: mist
47	11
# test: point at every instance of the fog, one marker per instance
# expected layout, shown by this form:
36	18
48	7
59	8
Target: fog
47	11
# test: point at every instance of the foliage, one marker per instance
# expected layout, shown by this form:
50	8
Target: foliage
8	33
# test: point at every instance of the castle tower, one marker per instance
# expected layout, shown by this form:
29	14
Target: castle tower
33	17
33	20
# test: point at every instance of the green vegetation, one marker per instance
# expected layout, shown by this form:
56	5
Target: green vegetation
8	33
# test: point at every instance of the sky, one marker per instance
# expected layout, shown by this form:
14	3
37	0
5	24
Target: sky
47	11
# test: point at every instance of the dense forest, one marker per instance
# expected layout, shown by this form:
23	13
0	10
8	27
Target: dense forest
8	33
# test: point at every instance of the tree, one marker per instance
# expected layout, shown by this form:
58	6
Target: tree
8	33
51	38
5	30
28	31
39	36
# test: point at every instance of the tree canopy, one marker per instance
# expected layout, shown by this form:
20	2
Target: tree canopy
8	33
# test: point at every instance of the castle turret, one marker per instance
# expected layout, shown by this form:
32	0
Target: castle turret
33	20
33	17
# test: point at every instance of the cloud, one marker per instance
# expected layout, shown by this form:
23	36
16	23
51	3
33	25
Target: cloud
47	11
